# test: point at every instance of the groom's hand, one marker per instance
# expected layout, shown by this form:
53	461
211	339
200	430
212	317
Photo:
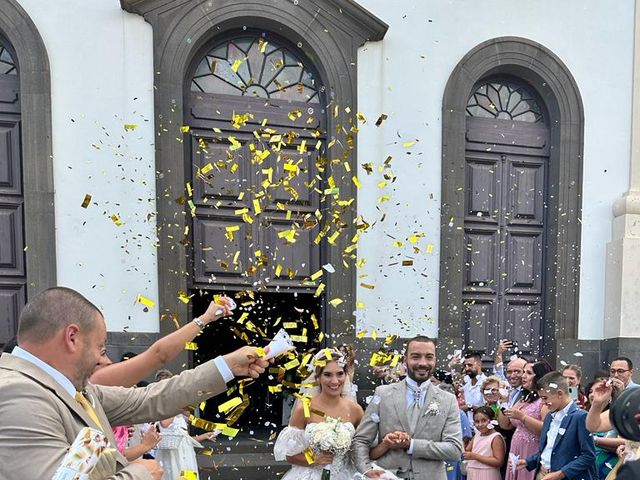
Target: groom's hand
396	440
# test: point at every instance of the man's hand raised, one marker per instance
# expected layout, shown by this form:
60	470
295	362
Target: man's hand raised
246	362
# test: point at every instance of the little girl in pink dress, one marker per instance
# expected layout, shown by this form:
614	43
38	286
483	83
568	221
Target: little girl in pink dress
485	453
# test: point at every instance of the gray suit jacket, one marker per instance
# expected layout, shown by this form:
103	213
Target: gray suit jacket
39	420
437	436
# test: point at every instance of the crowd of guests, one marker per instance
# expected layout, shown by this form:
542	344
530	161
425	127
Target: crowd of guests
526	421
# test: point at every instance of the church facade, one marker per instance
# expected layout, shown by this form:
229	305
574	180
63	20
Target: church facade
467	170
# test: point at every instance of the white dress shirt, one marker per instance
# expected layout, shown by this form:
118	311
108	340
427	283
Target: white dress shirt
473	394
63	381
552	434
412	386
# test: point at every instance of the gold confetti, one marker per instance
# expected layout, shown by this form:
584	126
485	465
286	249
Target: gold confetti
381	119
185	129
408	144
236	64
86	201
145	301
229	405
116	219
367	285
335	302
356	182
191	346
206	169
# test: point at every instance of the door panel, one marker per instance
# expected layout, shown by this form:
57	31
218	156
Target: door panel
13	273
267	196
480	322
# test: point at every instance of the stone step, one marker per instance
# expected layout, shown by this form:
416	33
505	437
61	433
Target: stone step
241	466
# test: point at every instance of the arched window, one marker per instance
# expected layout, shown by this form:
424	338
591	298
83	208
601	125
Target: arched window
256	67
506	100
7	63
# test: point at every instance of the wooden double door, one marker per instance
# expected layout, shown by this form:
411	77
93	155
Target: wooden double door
505	230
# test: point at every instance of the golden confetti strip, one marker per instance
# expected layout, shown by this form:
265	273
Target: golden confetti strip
116	219
236	64
291	364
367	285
86	201
317	275
336	301
191	346
185	128
206	169
229	405
381	119
356	182
130	126
145	301
309	455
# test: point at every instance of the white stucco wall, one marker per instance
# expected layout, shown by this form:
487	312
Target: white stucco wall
405	75
101	79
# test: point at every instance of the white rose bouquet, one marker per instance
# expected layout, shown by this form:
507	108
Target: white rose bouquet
332	436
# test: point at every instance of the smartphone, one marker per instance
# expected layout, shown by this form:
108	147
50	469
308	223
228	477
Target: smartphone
573	393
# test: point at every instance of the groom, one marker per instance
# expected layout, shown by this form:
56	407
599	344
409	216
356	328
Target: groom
417	424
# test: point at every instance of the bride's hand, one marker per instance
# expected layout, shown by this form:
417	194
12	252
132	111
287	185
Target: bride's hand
323	458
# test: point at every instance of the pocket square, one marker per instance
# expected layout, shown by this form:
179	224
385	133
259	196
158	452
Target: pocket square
561	431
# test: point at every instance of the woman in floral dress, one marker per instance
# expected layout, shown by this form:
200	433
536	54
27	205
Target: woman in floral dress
526	417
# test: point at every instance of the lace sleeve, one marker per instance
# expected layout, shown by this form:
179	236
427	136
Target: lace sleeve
290	441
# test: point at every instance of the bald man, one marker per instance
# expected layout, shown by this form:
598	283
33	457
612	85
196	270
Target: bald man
46	397
514	371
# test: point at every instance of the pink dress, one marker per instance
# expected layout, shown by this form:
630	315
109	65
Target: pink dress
524	443
477	470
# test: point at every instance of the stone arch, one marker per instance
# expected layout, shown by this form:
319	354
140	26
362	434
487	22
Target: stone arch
329	33
36	131
546	73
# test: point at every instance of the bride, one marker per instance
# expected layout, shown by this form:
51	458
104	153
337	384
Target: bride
330	398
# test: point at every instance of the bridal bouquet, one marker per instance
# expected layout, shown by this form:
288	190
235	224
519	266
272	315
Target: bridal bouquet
333	436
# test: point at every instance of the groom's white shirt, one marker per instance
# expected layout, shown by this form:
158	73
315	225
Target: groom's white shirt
411	397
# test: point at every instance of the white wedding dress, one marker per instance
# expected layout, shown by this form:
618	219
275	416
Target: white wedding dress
292	441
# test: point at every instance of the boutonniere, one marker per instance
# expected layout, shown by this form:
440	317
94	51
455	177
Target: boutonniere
432	409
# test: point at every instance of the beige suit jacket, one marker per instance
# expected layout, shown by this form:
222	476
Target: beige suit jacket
39	420
437	436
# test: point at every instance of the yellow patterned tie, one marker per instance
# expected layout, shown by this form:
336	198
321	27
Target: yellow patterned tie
88	408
